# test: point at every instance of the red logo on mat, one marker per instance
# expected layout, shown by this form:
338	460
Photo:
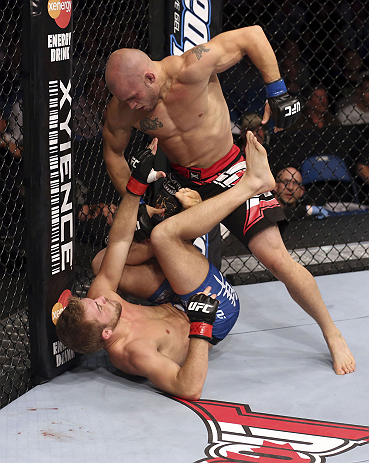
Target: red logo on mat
238	435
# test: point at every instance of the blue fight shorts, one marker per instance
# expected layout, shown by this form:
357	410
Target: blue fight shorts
229	304
163	294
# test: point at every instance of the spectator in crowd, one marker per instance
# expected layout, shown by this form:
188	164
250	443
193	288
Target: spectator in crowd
289	193
359	160
316	112
357	112
95	200
293	68
362	170
11	128
288	187
291	76
344	89
7	141
92	211
12	220
90	108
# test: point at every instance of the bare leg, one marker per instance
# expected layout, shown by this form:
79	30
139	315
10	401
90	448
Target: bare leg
269	248
139	279
184	267
201	218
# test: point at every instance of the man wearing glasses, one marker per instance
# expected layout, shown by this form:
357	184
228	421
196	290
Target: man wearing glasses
289	192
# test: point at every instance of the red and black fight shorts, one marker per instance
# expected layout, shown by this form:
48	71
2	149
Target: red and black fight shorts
254	215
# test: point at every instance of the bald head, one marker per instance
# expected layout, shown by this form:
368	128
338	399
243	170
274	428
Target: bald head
124	66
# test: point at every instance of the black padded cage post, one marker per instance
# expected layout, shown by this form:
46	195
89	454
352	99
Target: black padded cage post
47	64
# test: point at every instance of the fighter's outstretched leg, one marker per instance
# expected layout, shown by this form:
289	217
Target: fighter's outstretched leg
201	218
170	238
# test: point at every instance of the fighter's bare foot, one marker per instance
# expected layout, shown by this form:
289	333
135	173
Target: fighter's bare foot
258	174
343	360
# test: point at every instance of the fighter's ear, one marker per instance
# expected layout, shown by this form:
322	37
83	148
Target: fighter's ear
150	77
106	334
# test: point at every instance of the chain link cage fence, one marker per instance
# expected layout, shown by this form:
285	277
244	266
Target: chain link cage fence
99	28
320	164
322	49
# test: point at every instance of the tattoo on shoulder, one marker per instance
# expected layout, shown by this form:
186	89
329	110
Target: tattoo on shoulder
199	50
150	124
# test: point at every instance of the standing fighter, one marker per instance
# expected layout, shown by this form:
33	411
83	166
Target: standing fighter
179	100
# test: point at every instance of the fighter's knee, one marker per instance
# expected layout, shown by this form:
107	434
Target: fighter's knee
157	235
281	265
278	262
162	233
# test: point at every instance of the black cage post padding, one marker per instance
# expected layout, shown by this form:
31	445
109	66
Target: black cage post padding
48	160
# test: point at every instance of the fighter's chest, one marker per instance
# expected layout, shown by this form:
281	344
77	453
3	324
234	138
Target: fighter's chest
179	111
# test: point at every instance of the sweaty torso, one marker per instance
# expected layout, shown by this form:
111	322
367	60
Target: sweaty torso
163	328
191	121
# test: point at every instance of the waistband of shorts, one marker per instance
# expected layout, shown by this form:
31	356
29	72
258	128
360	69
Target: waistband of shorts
196	173
159	292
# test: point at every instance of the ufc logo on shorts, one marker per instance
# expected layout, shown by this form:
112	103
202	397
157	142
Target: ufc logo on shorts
291	110
231	176
199	307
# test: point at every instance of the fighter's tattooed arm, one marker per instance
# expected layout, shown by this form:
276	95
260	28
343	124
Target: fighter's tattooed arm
199	50
150	124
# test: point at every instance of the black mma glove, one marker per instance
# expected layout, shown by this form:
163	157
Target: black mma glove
144	224
164	198
285	108
201	311
141	165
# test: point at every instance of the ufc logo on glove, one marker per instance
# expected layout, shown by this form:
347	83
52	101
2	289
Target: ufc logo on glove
290	110
200	307
134	162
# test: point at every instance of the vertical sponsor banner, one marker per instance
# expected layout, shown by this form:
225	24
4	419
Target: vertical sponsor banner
192	22
48	162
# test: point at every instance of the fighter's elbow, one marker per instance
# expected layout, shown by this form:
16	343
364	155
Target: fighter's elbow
191	393
189	396
254	32
195	397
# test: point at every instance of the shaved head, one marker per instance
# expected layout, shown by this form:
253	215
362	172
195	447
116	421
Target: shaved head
124	66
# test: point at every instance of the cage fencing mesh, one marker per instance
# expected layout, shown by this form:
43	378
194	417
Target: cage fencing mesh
322	50
99	29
